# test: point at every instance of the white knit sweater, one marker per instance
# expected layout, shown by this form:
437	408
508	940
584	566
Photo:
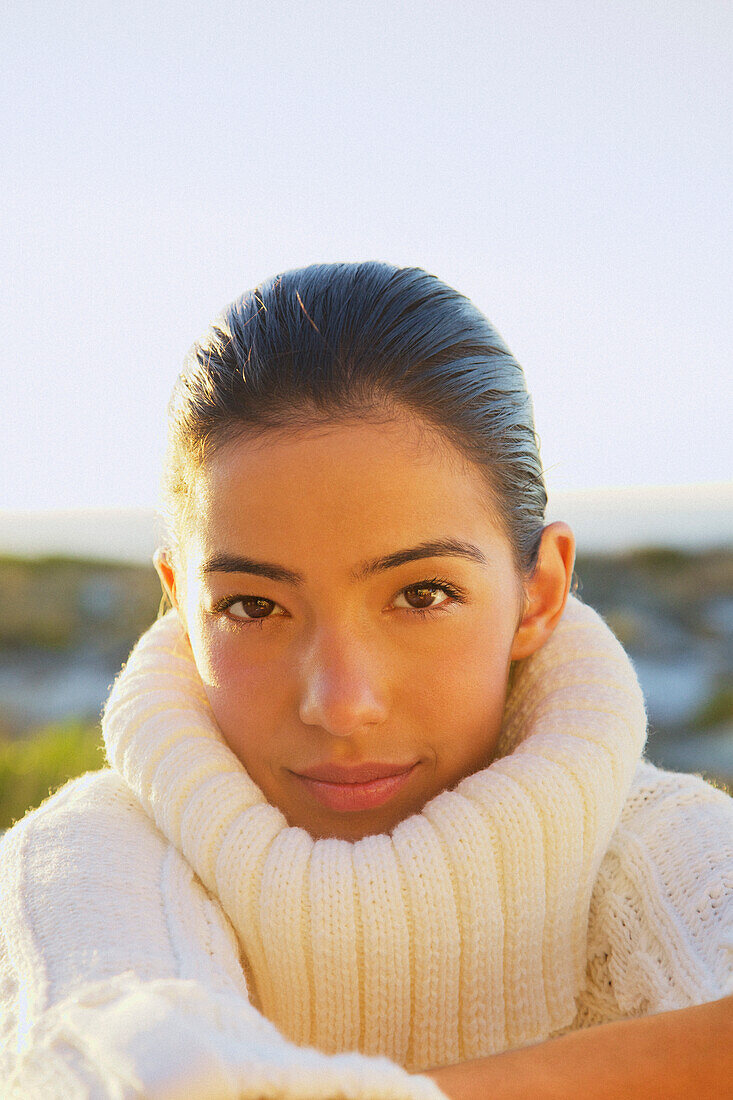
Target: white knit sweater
164	933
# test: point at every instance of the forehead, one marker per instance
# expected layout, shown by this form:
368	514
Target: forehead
339	489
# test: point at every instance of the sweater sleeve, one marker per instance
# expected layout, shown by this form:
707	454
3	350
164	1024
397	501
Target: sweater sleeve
120	975
660	932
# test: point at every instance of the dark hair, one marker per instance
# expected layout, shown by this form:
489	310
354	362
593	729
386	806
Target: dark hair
332	342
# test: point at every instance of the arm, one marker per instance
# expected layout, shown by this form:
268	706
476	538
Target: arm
670	1056
120	975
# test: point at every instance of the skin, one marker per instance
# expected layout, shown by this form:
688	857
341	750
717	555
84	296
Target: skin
343	670
682	1055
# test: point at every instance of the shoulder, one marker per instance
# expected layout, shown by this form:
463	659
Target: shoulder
90	888
99	795
660	933
93	820
87	851
675	839
656	794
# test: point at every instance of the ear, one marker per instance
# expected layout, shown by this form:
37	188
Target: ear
546	590
165	571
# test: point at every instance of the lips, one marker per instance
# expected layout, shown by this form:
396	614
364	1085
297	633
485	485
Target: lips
359	787
355	773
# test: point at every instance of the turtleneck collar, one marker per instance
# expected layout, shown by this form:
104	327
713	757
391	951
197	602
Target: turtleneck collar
461	934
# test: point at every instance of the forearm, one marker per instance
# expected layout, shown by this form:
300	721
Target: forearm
671	1055
182	1040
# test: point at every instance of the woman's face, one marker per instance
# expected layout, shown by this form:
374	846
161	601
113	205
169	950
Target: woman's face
352	607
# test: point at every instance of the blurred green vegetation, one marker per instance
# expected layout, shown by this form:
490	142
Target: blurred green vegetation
33	767
715	711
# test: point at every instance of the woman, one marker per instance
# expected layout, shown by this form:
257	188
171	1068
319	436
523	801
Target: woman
376	821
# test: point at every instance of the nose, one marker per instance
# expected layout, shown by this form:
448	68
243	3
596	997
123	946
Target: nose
343	689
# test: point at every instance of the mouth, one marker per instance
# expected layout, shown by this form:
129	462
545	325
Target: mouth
361	787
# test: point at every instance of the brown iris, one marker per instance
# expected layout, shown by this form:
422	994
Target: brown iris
428	590
256	607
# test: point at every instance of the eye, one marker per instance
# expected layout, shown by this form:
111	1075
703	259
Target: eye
248	608
421	597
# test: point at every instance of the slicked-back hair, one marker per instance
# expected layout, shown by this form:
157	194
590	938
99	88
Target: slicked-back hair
340	342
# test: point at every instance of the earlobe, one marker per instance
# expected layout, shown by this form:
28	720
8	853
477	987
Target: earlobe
167	575
547	590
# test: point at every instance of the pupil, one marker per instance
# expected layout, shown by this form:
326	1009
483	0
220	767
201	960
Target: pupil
424	596
252	607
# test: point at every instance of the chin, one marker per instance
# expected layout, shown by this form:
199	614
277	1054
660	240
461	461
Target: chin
351	833
352	827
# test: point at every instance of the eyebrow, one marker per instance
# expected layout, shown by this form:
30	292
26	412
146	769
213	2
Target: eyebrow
432	548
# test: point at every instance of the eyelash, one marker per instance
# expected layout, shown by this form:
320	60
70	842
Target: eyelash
457	595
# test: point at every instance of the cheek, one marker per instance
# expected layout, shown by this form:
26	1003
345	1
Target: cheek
469	694
476	660
245	696
474	690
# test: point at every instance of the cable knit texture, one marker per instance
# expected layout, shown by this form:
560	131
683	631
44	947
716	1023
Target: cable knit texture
165	933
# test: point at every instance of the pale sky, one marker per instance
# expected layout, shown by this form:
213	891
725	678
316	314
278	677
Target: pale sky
567	165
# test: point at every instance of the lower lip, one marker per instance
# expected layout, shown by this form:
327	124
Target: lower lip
347	797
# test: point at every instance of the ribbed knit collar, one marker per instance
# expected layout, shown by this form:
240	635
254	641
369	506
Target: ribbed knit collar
463	933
